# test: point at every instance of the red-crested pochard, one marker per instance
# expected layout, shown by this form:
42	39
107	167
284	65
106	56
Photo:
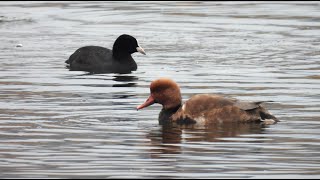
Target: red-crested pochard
203	108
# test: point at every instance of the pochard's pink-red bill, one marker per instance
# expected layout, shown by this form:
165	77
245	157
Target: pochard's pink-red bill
148	102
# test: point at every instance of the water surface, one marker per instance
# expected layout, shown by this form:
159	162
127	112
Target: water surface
57	123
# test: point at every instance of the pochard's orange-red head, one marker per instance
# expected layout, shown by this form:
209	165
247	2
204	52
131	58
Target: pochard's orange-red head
165	92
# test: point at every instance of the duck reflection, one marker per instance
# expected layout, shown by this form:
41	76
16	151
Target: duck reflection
171	135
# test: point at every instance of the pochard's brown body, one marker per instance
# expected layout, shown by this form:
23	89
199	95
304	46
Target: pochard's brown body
202	108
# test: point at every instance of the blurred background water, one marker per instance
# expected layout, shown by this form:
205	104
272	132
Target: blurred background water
57	123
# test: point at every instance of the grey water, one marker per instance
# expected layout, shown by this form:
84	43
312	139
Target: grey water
56	123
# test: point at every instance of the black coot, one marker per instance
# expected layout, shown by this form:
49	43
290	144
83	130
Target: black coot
96	59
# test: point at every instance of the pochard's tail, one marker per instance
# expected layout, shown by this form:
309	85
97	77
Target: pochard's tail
266	117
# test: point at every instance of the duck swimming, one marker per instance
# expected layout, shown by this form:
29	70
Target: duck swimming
202	108
96	59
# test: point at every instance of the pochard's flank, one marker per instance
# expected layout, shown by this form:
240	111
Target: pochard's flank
96	59
203	108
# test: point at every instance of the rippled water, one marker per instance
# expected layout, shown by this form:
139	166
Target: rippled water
63	124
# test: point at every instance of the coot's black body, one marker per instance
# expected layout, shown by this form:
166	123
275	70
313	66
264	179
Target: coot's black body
96	59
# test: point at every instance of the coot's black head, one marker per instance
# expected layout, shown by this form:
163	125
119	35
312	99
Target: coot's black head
125	45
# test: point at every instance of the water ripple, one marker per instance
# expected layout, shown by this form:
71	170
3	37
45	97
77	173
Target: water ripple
57	123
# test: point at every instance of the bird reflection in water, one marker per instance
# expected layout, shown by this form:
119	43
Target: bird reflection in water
170	136
125	81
